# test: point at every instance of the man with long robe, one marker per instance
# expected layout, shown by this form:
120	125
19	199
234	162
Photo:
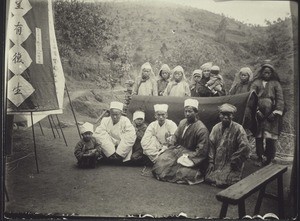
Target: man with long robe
117	134
186	160
155	139
229	149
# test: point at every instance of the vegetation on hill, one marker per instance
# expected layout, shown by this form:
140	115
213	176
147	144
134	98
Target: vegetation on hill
104	44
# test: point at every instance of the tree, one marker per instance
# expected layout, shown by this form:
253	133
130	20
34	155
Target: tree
221	31
81	26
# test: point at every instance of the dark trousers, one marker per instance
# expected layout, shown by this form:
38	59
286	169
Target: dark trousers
270	150
87	162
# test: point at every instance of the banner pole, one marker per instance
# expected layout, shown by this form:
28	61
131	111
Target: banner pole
61	130
41	128
34	144
55	126
73	110
5	190
51	127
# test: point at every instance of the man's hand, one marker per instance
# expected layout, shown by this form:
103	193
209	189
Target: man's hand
163	149
260	116
271	117
210	168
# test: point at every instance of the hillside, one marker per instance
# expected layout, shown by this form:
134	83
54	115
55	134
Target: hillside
104	44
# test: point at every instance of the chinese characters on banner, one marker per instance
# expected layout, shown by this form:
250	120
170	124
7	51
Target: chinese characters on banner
35	79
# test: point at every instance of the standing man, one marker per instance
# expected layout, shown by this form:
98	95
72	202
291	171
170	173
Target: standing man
186	160
116	134
155	139
229	149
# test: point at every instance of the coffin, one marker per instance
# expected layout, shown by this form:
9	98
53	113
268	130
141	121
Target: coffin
245	103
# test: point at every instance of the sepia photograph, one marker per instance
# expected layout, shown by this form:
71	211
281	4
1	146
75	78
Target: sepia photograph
138	109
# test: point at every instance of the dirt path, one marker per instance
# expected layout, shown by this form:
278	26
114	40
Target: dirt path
107	191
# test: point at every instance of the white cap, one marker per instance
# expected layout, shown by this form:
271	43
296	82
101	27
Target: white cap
215	68
161	107
191	102
116	105
138	114
86	127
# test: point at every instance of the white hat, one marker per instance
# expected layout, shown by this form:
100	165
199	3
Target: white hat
138	114
116	105
86	127
185	161
215	68
191	102
161	107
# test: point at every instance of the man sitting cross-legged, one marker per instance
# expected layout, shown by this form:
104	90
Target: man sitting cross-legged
158	133
229	149
185	161
116	134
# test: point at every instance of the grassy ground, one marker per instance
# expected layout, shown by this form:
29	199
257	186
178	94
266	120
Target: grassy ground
106	191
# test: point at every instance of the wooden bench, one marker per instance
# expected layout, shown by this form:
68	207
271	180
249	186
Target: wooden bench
238	192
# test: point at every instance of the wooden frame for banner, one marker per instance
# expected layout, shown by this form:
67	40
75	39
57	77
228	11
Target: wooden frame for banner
51	122
34	144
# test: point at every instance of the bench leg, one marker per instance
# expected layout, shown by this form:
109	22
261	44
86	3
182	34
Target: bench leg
259	200
280	197
223	210
242	211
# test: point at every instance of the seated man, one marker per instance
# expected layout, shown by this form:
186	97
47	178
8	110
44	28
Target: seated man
155	139
116	134
185	161
229	149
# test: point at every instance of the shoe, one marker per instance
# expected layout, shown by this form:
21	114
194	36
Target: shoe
259	162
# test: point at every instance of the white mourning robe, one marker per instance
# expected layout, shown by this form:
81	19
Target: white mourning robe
116	138
155	137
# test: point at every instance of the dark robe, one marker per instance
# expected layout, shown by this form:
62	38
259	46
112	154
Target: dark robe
270	98
227	146
137	150
239	88
200	90
161	86
195	144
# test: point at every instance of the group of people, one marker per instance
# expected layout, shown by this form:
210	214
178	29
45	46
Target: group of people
187	152
183	153
208	82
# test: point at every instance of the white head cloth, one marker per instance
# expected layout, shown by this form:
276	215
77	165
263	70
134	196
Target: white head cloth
191	103
161	107
86	127
138	114
116	105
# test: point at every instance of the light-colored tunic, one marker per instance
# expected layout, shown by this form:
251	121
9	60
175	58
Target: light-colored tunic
155	137
147	88
181	89
118	138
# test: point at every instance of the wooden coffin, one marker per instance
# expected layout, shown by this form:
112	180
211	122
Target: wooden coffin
245	103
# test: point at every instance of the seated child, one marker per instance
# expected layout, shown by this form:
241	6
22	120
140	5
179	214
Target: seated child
140	128
87	150
215	82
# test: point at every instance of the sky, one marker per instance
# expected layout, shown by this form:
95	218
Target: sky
251	11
